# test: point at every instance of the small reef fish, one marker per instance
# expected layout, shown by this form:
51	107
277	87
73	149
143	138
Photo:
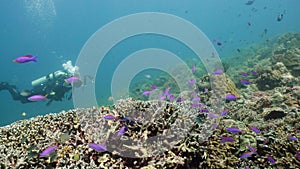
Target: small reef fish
37	97
193	68
292	138
233	130
223	113
72	79
153	87
122	130
171	97
203	110
251	148
245	82
179	100
227	139
196	99
218	71
279	17
26	58
191	82
249	23
48	151
97	147
246	154
167	90
213	115
161	97
250	2
217	42
244	74
254	129
298	155
254	73
146	93
109	117
271	159
230	97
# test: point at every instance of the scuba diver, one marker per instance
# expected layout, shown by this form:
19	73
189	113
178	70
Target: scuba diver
54	86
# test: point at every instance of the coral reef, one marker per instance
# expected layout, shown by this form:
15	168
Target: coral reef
275	76
162	134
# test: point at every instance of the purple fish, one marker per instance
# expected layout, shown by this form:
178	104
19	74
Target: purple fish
254	73
171	97
298	155
193	68
48	151
97	147
204	110
109	117
205	90
195	105
37	98
292	138
167	90
230	97
24	59
191	82
161	97
179	100
212	115
72	79
271	159
251	148
218	71
126	119
233	130
227	139
224	112
246	154
244	74
153	87
256	130
245	82
146	93
196	99
121	131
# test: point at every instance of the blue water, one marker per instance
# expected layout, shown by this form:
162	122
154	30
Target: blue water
56	31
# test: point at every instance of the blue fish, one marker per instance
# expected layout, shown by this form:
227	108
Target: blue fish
191	82
230	97
122	130
146	93
218	71
244	74
224	112
271	159
246	154
256	130
245	82
193	68
179	100
233	130
227	139
48	151
97	147
292	138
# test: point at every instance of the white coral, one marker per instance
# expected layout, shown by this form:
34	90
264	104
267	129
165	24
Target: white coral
70	68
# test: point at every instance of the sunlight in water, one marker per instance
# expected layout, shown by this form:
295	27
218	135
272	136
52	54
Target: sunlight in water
41	11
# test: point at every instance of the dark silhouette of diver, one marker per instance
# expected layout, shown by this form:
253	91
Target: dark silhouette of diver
53	85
